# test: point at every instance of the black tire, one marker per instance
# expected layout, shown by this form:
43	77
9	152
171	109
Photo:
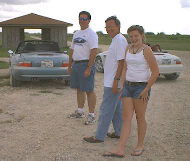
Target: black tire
13	81
99	64
172	76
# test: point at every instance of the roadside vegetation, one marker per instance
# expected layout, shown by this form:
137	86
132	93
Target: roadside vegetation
4	65
167	42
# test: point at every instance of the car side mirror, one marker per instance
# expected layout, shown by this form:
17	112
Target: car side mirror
65	52
10	52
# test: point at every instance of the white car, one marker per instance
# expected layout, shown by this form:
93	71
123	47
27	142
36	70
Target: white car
169	65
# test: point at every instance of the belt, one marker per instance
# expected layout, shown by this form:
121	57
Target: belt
134	83
81	61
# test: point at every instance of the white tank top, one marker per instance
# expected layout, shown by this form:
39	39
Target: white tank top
137	68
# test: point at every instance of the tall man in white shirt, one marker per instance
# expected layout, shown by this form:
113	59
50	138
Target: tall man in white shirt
81	66
111	109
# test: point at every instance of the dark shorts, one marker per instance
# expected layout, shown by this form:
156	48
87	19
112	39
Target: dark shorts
78	81
134	90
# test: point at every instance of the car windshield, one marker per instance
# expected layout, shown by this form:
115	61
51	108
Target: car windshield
36	46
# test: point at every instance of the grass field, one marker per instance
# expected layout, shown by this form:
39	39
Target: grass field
167	42
4	65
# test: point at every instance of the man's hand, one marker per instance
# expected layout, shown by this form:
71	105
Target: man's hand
115	87
87	72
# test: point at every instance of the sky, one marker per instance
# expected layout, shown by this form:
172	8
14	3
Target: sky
168	16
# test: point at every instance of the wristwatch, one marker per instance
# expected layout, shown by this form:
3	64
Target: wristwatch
115	78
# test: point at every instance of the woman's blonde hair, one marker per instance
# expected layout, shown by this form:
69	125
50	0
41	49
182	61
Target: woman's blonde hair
139	28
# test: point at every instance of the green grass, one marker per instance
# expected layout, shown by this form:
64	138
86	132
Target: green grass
4	52
4	77
6	122
4	83
167	42
45	91
65	49
170	42
4	65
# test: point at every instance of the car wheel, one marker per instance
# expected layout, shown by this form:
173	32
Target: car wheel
13	81
67	82
172	76
99	65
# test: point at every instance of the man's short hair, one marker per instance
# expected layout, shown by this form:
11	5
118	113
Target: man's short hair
117	22
85	13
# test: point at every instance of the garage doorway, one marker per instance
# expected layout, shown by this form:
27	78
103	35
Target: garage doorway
32	34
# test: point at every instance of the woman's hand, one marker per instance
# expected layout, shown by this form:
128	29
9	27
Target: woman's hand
144	95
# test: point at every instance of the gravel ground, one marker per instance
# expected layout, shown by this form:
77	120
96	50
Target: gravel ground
34	124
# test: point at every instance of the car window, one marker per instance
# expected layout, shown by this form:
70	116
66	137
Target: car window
35	46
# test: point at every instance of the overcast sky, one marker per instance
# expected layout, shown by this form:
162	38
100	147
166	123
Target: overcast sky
168	16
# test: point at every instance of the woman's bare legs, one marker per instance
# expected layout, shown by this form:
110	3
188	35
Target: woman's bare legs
128	110
129	106
140	109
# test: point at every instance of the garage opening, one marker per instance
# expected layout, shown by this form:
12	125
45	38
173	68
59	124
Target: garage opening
32	34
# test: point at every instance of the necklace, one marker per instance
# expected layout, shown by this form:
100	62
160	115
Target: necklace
136	50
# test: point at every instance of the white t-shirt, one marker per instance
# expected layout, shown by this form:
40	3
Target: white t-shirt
83	41
115	53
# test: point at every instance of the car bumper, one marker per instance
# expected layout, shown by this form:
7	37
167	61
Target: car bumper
167	69
36	73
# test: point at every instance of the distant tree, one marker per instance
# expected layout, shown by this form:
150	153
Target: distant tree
99	32
161	33
150	33
178	34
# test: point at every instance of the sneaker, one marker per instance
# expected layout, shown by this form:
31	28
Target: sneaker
76	114
90	120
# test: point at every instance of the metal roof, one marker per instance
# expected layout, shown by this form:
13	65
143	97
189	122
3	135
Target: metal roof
33	20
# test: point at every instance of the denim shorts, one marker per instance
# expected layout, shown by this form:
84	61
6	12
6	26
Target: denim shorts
78	81
134	90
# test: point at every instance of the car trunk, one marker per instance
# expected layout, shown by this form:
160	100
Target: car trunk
45	59
164	59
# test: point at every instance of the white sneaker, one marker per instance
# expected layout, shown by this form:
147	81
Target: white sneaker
90	120
77	114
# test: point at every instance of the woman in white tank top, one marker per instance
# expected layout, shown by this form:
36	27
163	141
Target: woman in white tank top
139	74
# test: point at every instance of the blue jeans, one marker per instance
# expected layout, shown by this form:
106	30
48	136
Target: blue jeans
110	110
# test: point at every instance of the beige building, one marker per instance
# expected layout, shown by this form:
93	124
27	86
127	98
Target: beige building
13	29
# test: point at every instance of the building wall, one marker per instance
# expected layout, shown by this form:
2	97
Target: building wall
11	37
59	34
45	34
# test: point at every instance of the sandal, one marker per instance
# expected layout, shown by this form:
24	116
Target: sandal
110	154
137	152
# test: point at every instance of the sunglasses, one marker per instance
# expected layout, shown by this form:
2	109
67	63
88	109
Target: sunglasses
84	19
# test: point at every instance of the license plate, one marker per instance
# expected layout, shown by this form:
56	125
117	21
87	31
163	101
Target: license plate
47	63
166	61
